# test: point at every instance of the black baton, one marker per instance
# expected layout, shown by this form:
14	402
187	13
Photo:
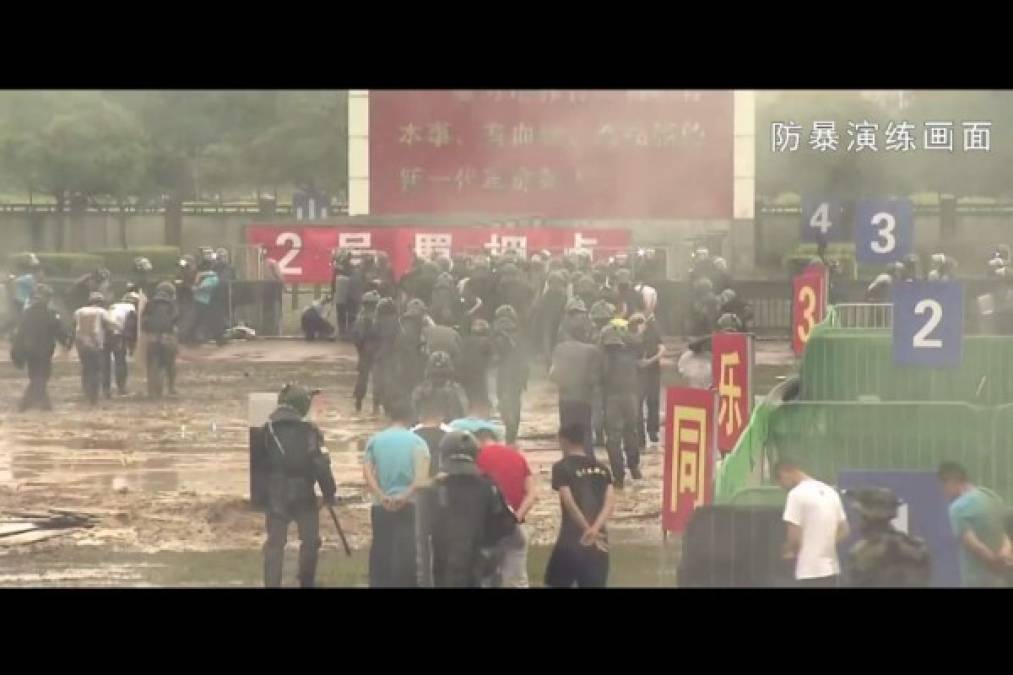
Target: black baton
341	533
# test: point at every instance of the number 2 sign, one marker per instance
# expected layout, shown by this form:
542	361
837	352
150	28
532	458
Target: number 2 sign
884	230
808	304
928	323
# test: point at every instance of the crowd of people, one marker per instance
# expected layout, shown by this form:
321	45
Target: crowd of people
191	308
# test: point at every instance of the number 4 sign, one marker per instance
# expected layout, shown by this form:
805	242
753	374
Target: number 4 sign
884	230
928	323
822	221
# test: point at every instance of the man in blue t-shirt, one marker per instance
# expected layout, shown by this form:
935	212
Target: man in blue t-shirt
976	516
395	465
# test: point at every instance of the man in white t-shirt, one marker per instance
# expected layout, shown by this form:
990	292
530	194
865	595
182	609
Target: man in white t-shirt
816	523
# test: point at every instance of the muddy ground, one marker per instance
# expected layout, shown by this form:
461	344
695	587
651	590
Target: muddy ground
168	481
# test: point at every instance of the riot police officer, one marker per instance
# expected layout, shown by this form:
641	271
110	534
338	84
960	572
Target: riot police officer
34	343
463	515
385	374
576	325
621	386
440	386
159	320
296	461
511	373
942	268
366	339
885	556
601	314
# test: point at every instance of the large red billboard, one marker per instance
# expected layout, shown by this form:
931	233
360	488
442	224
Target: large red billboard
303	252
690	435
556	154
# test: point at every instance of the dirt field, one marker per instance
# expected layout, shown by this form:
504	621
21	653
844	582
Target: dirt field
172	477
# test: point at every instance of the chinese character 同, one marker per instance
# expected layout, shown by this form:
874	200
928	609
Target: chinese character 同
492	181
784	137
729	413
494	132
824	136
428	244
439	134
523	134
863	135
939	136
899	137
410	178
410	134
522	180
977	136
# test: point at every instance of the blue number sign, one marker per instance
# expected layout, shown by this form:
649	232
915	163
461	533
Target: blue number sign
822	219
928	323
884	230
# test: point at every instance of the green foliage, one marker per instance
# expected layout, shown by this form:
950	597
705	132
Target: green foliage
62	265
121	262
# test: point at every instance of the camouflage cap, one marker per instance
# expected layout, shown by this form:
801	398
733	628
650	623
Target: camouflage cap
576	305
720	264
96	298
459	445
370	298
729	322
507	311
726	296
386	306
612	336
415	308
602	310
445	280
878	503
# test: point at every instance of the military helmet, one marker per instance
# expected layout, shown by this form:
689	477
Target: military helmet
876	503
386	306
41	293
459	445
96	298
507	311
556	278
726	296
612	335
440	364
602	311
480	327
445	280
415	308
142	264
576	305
720	264
703	285
370	298
165	290
296	397
729	322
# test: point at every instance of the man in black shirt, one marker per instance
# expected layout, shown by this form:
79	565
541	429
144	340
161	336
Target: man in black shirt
586	497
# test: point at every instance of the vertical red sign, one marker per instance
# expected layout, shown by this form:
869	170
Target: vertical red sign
808	307
732	363
688	479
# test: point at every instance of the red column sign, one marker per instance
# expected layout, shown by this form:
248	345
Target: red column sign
690	433
732	362
808	307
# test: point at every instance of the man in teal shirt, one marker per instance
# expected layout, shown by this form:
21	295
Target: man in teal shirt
976	516
395	465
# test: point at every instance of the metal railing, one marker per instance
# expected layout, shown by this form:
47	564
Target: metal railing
862	315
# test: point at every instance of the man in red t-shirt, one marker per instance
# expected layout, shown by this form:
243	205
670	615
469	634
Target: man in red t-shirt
509	470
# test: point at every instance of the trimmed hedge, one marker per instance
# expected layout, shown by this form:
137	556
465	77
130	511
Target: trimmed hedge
61	265
121	261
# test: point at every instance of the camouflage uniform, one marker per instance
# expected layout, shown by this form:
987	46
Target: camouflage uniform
365	335
885	557
576	325
621	388
601	313
511	369
440	386
385	375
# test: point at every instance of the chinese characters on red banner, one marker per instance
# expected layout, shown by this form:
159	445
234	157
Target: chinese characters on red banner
562	154
688	478
304	252
732	364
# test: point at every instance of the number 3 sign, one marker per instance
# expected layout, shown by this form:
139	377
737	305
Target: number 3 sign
808	305
928	323
884	230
